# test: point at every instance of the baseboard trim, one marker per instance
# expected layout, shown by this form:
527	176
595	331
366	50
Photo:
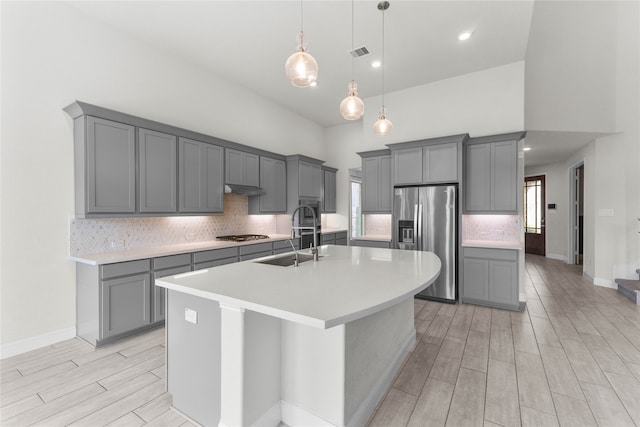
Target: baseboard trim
33	343
271	418
605	283
557	256
295	416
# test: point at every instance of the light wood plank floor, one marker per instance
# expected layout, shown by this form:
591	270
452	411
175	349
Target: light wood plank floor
572	358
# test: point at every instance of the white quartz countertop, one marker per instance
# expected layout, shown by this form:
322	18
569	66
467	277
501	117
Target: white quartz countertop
346	284
158	251
491	244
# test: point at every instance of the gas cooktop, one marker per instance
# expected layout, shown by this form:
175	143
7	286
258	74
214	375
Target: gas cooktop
242	237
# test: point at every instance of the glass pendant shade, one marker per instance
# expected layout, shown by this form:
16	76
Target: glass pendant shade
382	126
301	68
352	107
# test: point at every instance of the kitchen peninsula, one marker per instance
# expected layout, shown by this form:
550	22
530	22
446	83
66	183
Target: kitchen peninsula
252	343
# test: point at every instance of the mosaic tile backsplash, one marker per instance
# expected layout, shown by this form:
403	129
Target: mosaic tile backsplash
499	228
91	236
377	224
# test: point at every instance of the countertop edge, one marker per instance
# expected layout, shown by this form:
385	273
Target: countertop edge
516	246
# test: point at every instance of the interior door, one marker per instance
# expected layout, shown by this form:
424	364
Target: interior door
534	215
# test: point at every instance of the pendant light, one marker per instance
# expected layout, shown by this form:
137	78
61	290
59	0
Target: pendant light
301	68
352	107
382	126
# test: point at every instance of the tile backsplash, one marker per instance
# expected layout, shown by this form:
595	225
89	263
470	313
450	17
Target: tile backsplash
377	224
91	236
499	228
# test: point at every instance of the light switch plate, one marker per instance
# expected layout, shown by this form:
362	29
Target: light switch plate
191	316
605	212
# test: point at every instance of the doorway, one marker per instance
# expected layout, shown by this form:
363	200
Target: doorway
577	214
534	215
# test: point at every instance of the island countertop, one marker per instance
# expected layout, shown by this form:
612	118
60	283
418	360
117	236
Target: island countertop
346	284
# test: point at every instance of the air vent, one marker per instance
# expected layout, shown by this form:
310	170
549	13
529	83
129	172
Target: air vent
358	52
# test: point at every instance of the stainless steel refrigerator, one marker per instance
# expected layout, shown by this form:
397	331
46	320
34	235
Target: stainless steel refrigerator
425	218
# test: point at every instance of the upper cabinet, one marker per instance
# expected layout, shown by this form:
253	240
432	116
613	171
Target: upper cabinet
273	180
491	174
376	181
329	189
157	171
304	180
200	176
105	166
428	161
242	168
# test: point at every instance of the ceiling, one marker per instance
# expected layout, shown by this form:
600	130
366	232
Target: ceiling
248	42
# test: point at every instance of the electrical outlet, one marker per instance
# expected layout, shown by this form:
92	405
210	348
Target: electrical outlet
117	244
191	316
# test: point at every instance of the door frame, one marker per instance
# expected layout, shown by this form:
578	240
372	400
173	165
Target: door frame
573	214
543	209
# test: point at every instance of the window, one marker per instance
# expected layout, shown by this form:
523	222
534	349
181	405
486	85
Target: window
356	208
533	206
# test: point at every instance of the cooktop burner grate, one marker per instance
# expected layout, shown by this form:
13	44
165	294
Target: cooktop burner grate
242	237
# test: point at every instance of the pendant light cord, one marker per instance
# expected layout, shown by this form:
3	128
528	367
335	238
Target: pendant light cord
301	18
384	65
353	73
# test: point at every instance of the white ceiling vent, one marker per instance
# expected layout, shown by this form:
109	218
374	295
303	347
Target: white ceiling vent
359	51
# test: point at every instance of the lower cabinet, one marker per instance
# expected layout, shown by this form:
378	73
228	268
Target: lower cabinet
125	304
491	277
339	238
159	294
371	243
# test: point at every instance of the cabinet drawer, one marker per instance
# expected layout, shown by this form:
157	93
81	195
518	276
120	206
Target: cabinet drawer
171	261
258	247
284	244
255	255
371	243
125	268
214	254
500	254
341	242
171	271
327	239
341	235
215	263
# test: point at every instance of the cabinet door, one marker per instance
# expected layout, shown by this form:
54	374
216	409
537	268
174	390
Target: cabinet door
125	304
370	181
234	167
329	192
407	166
251	169
201	182
273	181
478	177
385	196
157	168
476	279
310	180
440	163
504	175
110	167
503	282
160	294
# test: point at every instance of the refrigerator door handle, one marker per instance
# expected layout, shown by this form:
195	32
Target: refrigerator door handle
416	228
420	245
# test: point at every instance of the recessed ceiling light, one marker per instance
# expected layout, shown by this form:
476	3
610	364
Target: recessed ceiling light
527	148
464	36
376	64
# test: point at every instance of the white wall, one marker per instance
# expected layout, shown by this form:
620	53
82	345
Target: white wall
589	82
52	54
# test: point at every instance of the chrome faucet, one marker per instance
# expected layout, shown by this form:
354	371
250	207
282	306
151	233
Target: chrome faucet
295	252
314	250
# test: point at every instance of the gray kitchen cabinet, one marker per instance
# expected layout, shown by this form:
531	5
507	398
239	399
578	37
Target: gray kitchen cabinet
304	180
126	304
162	267
256	250
157	171
242	168
491	174
338	238
105	166
376	181
273	180
329	189
214	257
491	277
407	166
440	163
200	177
366	243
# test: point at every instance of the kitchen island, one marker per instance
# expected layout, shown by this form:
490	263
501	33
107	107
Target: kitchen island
318	344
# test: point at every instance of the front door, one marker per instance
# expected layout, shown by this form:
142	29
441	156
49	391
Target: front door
534	203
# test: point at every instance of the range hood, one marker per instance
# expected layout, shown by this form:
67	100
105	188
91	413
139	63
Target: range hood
244	190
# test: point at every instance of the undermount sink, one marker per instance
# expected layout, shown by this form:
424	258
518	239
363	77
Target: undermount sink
287	260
